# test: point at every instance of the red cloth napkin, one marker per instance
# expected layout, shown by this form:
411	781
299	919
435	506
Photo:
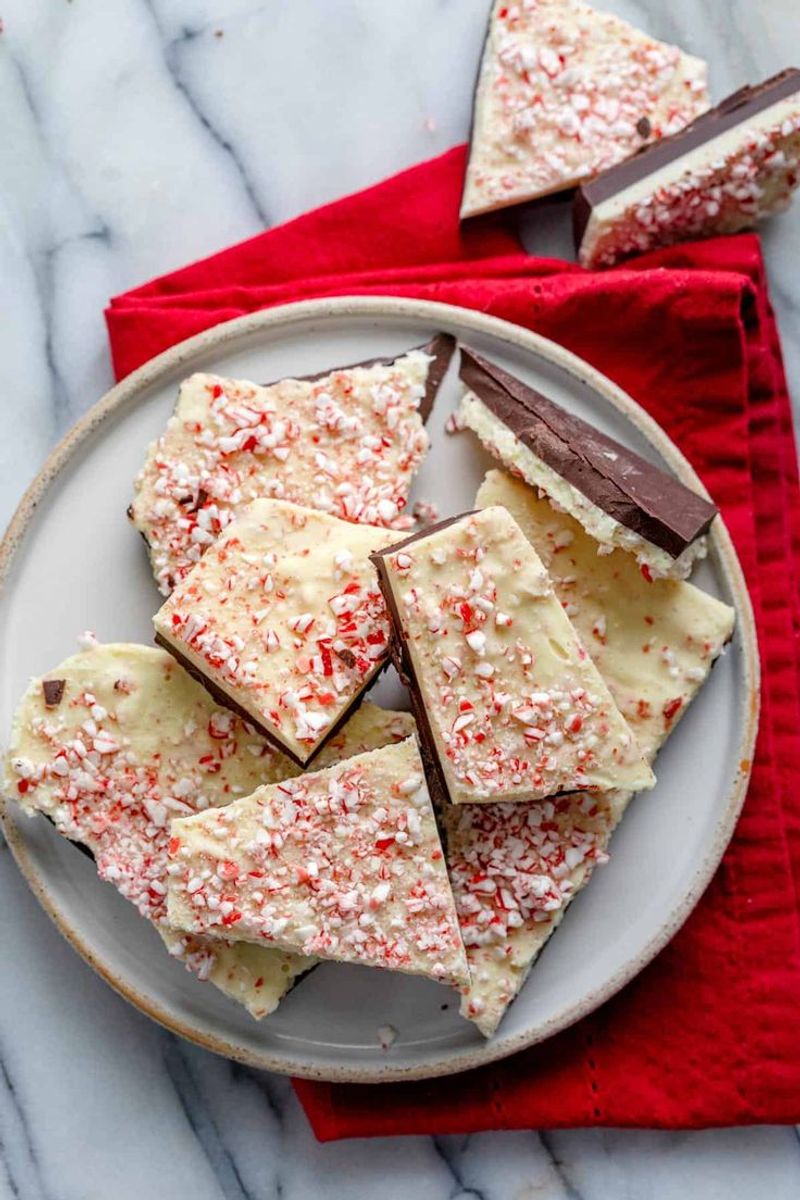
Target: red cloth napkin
707	1034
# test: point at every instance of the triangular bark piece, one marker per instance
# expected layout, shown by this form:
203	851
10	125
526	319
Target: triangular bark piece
128	740
565	92
343	863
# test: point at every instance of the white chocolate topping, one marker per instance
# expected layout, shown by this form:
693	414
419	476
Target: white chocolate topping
606	531
133	741
565	92
720	187
515	868
516	708
284	615
343	863
653	643
348	443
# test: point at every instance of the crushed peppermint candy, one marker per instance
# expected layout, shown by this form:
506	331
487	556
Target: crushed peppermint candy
653	642
96	768
513	864
753	173
514	869
295	641
118	802
387	1036
350	443
516	708
343	863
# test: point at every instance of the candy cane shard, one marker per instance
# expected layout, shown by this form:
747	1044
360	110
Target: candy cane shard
347	442
515	868
565	92
509	704
118	739
343	863
283	621
731	167
621	499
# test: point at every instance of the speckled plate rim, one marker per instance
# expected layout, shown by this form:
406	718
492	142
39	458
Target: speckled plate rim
434	314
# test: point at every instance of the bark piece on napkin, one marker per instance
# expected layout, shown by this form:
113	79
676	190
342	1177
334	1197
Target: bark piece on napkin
564	92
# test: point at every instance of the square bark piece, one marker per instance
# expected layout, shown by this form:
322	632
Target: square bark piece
283	621
136	742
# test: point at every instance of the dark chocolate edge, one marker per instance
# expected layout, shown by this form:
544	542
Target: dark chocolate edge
437	783
734	110
441	348
79	845
222	698
652	527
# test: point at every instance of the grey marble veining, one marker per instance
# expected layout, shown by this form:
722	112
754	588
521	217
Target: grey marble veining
137	135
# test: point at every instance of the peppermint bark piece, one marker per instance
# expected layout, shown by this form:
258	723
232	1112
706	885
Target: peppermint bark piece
343	863
653	643
515	868
132	741
726	171
348	442
619	498
510	706
565	92
283	621
258	977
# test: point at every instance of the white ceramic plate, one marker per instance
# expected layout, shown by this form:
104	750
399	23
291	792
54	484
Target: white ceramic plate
70	562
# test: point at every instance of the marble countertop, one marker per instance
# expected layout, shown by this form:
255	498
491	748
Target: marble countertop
138	135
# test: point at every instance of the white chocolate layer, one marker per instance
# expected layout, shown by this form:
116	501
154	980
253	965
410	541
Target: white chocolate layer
721	187
343	863
516	708
514	869
499	440
565	92
348	444
164	748
284	615
653	643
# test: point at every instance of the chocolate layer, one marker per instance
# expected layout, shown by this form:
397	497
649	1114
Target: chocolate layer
733	111
635	492
84	849
225	700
